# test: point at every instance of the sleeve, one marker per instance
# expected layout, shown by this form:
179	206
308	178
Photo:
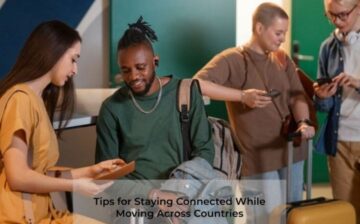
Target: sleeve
217	70
229	68
200	131
107	142
17	114
321	71
324	105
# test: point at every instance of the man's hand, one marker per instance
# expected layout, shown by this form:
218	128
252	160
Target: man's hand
346	80
325	90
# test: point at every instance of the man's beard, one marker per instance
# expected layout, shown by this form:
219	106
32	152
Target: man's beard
147	86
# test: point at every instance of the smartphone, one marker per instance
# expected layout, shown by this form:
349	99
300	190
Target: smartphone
273	93
117	172
322	81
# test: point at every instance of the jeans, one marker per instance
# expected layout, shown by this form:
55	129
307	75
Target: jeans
273	185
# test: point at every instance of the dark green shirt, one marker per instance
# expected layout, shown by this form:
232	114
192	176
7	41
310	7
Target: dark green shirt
153	140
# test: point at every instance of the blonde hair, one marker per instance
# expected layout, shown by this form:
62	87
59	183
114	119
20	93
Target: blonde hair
345	2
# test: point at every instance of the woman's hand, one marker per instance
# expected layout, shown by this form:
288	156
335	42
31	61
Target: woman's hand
87	187
105	166
306	130
325	90
255	98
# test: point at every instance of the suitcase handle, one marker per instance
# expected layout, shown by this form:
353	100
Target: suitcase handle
308	202
293	135
290	162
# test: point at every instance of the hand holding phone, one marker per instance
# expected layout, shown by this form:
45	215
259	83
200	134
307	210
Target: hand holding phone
273	93
117	172
325	87
322	81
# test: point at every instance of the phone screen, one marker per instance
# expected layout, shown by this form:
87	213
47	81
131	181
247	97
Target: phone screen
322	81
273	93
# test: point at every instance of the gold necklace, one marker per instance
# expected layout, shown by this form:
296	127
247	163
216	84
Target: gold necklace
155	105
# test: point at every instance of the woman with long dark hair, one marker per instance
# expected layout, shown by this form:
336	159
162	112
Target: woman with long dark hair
39	84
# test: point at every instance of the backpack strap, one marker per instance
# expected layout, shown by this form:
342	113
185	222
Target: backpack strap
241	51
184	105
306	82
184	98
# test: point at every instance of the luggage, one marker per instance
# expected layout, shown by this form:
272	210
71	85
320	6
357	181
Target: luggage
321	211
317	210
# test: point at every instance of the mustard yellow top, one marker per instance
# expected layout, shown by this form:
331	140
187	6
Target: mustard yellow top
22	109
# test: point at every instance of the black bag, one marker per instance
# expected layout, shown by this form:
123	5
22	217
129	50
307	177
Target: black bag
288	126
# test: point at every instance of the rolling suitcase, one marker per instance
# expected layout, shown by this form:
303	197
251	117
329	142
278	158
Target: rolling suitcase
317	210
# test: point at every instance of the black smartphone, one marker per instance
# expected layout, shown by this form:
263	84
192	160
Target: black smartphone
322	81
273	93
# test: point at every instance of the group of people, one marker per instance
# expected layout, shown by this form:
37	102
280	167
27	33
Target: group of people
141	122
